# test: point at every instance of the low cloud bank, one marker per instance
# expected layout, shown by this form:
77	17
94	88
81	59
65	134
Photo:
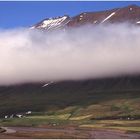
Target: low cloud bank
78	53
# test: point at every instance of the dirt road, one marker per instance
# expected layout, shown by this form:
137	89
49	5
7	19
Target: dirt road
92	133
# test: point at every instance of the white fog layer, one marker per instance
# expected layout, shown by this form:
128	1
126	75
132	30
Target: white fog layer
80	53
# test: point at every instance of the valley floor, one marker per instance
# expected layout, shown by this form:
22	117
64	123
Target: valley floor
72	132
110	129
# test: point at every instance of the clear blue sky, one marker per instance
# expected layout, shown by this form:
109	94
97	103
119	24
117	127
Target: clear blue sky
23	14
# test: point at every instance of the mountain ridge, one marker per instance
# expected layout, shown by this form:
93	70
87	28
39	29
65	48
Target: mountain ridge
130	14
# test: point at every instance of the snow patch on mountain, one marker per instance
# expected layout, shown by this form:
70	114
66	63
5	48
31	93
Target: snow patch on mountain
130	8
52	23
138	22
47	84
95	21
108	17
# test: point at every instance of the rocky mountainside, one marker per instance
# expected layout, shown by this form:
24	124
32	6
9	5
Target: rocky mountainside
129	14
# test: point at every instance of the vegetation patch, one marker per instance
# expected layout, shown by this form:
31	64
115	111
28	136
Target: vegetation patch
115	124
80	117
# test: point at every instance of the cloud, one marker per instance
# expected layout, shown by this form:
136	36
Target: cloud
78	53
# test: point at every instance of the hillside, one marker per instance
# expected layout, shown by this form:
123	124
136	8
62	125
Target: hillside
120	93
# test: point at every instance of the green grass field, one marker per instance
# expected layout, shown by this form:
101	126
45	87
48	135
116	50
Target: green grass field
81	122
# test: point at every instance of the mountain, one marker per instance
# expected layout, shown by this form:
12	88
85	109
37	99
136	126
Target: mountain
42	97
129	14
121	94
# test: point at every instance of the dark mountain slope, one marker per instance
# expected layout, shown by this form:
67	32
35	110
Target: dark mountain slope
34	97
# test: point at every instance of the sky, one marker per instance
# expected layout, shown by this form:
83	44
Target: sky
24	14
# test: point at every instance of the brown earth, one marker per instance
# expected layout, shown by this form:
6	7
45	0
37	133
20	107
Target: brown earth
70	132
